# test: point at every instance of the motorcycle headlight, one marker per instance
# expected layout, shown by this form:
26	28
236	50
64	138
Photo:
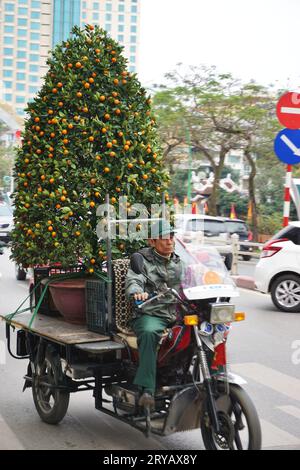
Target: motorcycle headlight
222	313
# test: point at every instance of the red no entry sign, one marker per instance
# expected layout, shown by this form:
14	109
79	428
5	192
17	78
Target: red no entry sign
288	110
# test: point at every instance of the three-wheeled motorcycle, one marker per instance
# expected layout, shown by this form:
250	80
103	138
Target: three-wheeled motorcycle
195	389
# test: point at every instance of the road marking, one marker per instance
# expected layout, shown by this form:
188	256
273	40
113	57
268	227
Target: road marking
272	436
282	383
291	410
286	109
9	440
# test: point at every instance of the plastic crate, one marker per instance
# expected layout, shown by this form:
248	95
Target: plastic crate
96	306
47	306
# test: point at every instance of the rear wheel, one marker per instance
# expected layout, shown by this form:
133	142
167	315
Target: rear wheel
239	423
285	293
50	402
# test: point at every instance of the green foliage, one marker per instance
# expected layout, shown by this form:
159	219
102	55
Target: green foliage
270	224
240	202
90	131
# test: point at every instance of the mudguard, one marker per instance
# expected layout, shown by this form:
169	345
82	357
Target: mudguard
185	410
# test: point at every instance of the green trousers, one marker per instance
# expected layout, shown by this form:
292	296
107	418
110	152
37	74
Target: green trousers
148	330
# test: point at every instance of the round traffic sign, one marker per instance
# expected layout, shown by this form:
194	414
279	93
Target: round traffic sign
288	110
287	146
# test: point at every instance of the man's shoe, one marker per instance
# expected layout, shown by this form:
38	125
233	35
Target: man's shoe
147	400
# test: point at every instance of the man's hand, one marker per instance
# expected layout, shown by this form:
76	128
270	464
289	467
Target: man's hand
144	296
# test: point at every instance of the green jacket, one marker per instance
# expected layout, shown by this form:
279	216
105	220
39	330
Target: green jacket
164	273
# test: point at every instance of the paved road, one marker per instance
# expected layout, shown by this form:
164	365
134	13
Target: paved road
260	350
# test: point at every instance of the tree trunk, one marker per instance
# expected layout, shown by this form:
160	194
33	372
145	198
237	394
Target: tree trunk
252	198
214	197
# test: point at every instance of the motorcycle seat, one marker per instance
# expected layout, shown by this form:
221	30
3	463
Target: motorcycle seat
131	339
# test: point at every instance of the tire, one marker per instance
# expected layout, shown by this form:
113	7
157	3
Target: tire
51	404
20	274
238	418
280	289
228	261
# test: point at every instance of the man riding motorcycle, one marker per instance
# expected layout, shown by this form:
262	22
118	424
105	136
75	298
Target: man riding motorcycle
162	269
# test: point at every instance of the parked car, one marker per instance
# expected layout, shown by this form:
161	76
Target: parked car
239	227
213	228
6	222
278	270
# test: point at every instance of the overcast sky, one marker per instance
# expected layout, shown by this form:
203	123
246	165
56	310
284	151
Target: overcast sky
252	39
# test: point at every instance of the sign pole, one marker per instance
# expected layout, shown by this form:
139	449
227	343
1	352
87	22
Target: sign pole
287	196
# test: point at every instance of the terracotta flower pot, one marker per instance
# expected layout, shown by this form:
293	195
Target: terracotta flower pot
69	299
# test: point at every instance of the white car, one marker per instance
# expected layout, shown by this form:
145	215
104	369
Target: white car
213	229
278	270
6	222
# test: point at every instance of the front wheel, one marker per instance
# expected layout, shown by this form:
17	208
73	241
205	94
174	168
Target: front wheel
51	403
239	423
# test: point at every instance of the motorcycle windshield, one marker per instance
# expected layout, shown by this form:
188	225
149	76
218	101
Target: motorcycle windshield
204	275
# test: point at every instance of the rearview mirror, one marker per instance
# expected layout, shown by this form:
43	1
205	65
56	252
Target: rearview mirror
137	263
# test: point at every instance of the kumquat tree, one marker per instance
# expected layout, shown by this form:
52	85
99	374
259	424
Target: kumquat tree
89	131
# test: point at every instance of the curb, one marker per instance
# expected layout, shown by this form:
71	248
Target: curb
245	282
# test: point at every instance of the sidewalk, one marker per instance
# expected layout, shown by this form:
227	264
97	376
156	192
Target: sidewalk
8	440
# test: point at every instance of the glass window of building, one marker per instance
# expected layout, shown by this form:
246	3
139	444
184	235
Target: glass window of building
33	57
20	111
22	43
121	37
7	73
33	68
84	15
8	51
133	39
8	97
8	29
35	15
132	68
133	29
133	19
21	76
21	65
121	28
9	7
35	26
108	28
9	18
33	78
121	8
121	18
22	22
33	89
95	6
34	47
7	84
108	17
132	49
20	86
35	36
20	99
134	9
8	40
108	7
35	4
23	11
84	5
96	16
21	54
22	32
7	62
25	2
132	59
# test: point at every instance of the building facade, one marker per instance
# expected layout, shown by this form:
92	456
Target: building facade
30	28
